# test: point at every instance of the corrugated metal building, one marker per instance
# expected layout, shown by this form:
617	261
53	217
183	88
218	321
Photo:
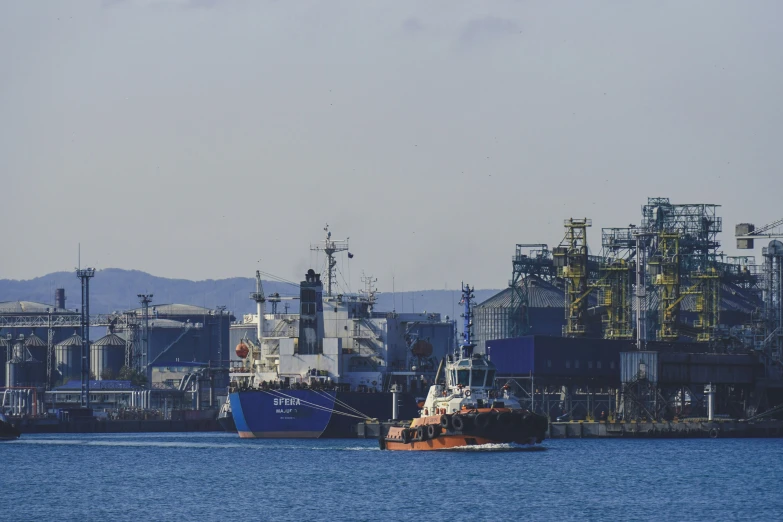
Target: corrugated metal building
208	341
559	360
605	362
547	311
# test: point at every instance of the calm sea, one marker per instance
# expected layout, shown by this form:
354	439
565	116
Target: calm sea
185	476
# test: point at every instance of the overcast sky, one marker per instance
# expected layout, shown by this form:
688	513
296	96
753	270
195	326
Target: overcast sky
191	138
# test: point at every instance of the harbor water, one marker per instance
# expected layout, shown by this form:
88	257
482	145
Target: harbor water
216	476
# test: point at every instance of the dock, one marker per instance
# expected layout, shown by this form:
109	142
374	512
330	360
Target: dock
680	429
692	428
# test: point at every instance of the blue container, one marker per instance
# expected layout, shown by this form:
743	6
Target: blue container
586	361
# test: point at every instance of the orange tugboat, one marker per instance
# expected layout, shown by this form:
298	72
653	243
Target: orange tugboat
463	408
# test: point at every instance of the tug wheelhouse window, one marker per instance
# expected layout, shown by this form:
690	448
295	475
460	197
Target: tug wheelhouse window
478	377
463	377
490	377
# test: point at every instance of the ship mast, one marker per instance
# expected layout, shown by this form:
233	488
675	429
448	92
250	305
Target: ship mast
467	345
258	297
330	247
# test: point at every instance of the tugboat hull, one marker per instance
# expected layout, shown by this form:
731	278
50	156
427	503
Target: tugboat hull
474	428
445	442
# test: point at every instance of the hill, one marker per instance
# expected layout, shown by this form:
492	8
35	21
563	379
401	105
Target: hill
114	289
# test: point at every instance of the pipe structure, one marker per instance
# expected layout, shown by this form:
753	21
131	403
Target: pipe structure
395	404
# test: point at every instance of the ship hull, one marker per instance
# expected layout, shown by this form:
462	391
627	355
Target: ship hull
8	431
227	422
469	428
311	414
441	443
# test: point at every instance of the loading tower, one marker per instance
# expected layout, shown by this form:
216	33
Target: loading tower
537	264
664	267
618	247
570	257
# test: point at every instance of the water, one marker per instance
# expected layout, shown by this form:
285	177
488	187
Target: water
189	476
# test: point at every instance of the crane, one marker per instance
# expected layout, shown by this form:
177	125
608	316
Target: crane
747	232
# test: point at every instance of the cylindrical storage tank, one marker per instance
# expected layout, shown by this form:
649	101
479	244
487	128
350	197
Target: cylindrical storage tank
107	356
36	363
67	359
15	374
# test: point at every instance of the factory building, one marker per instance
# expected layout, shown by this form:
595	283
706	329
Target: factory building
179	332
24	325
658	325
690	290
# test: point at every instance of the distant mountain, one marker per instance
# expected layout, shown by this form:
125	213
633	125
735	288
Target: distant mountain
114	289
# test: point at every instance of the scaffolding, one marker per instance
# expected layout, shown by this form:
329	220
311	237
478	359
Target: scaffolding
618	248
664	267
571	260
707	304
697	225
773	300
537	263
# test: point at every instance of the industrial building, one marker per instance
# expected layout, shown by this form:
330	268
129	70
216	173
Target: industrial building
711	324
41	350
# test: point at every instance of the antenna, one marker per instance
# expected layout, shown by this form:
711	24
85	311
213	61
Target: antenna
330	247
394	297
369	290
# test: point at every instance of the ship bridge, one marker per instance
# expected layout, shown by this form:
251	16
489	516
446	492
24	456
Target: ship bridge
475	373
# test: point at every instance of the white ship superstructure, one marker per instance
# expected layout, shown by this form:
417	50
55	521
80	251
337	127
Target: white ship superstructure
339	340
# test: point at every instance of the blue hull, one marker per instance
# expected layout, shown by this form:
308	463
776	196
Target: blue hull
310	414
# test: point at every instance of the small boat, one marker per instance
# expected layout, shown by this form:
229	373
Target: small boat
463	407
7	430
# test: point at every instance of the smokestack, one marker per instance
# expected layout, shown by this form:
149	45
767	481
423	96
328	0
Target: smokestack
59	298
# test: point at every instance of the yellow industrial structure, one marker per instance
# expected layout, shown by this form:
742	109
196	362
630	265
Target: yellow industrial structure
570	258
664	266
613	295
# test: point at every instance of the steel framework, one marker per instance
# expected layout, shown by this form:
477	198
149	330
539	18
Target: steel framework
85	274
537	263
571	259
771	340
330	247
664	266
707	304
618	248
697	226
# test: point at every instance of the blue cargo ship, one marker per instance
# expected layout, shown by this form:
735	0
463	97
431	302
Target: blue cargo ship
320	372
312	414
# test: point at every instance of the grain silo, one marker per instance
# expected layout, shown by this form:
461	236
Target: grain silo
107	356
68	357
35	360
545	312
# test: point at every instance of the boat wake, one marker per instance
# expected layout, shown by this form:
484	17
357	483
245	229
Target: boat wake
509	447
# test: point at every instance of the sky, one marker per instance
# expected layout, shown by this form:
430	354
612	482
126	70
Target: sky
205	139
